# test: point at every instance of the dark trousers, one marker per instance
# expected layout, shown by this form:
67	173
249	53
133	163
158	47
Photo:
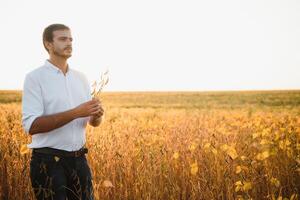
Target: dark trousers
60	178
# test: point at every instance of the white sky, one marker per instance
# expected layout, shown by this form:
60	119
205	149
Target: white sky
160	45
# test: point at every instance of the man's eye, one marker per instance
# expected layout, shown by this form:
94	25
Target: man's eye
64	39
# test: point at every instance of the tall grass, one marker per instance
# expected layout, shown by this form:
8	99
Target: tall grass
157	147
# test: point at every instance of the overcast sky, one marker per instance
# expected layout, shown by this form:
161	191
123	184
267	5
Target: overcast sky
160	45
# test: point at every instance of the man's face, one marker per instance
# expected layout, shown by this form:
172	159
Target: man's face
62	43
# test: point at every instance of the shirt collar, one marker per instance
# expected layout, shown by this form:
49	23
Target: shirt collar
52	67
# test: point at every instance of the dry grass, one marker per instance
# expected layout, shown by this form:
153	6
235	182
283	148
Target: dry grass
238	145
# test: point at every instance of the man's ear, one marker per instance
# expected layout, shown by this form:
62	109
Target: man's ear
48	45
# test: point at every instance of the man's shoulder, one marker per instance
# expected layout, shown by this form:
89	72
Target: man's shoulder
80	74
35	72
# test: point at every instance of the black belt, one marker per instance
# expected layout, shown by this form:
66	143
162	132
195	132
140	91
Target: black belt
62	153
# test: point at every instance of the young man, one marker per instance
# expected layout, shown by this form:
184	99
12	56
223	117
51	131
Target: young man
56	107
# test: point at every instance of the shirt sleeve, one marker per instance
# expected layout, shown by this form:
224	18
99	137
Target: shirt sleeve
32	102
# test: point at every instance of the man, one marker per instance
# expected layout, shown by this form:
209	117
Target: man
56	107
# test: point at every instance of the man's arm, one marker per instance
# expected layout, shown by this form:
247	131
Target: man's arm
50	122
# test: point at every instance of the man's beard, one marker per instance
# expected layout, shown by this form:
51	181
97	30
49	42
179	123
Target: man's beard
59	54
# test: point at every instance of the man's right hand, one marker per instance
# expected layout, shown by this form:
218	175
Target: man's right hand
88	108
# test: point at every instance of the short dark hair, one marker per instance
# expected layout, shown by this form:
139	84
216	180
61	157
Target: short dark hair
48	32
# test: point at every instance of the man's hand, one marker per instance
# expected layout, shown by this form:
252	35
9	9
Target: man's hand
96	118
90	108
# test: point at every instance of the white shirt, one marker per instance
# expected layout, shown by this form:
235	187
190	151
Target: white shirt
48	91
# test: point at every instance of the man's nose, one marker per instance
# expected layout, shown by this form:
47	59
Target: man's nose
69	41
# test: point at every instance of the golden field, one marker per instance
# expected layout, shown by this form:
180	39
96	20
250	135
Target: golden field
176	145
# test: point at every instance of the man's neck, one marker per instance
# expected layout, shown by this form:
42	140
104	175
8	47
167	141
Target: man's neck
59	62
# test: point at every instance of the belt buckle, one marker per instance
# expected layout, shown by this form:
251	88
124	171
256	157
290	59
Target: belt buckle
77	153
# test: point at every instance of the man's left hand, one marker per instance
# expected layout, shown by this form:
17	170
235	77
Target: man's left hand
100	112
96	119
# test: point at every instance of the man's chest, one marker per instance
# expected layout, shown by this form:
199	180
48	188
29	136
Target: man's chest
61	93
